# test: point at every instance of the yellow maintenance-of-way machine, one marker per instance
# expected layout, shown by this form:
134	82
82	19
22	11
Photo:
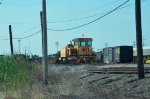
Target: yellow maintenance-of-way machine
80	51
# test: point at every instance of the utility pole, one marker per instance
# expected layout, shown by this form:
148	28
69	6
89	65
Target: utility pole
140	64
11	42
25	52
41	26
143	40
134	44
44	48
106	44
29	53
19	46
57	44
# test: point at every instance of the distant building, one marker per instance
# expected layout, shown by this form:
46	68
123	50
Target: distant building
146	54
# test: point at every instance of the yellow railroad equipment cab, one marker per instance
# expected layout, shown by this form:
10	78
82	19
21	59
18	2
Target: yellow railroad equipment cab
79	51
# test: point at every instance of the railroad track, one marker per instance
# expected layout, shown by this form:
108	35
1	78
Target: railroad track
119	70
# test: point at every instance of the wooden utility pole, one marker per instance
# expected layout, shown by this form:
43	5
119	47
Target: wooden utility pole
140	64
57	44
11	42
41	27
44	49
19	46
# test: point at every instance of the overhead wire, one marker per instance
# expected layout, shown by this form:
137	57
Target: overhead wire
91	21
75	19
52	1
69	28
23	32
28	30
90	16
28	35
117	8
20	23
90	10
29	4
86	17
4	39
23	37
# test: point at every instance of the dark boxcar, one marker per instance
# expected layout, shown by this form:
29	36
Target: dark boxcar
123	54
108	55
99	57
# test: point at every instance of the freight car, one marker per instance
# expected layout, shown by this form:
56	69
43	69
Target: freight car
108	55
118	54
123	54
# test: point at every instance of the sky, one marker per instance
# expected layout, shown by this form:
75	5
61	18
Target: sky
115	29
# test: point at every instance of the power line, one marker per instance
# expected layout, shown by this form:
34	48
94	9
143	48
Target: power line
75	19
87	17
20	23
29	4
23	37
117	8
4	39
70	20
90	10
28	30
29	35
51	1
25	31
91	21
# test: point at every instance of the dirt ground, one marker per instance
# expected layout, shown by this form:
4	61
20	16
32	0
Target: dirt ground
75	82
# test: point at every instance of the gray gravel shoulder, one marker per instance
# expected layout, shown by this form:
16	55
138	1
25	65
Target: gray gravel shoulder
75	82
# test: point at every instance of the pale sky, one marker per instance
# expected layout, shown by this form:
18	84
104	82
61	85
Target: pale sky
118	28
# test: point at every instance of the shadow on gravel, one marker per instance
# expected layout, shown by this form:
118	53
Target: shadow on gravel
132	80
98	80
86	76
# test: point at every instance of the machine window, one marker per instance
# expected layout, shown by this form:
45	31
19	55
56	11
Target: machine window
75	43
82	44
89	44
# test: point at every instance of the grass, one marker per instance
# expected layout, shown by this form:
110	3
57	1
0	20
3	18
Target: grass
20	79
14	73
